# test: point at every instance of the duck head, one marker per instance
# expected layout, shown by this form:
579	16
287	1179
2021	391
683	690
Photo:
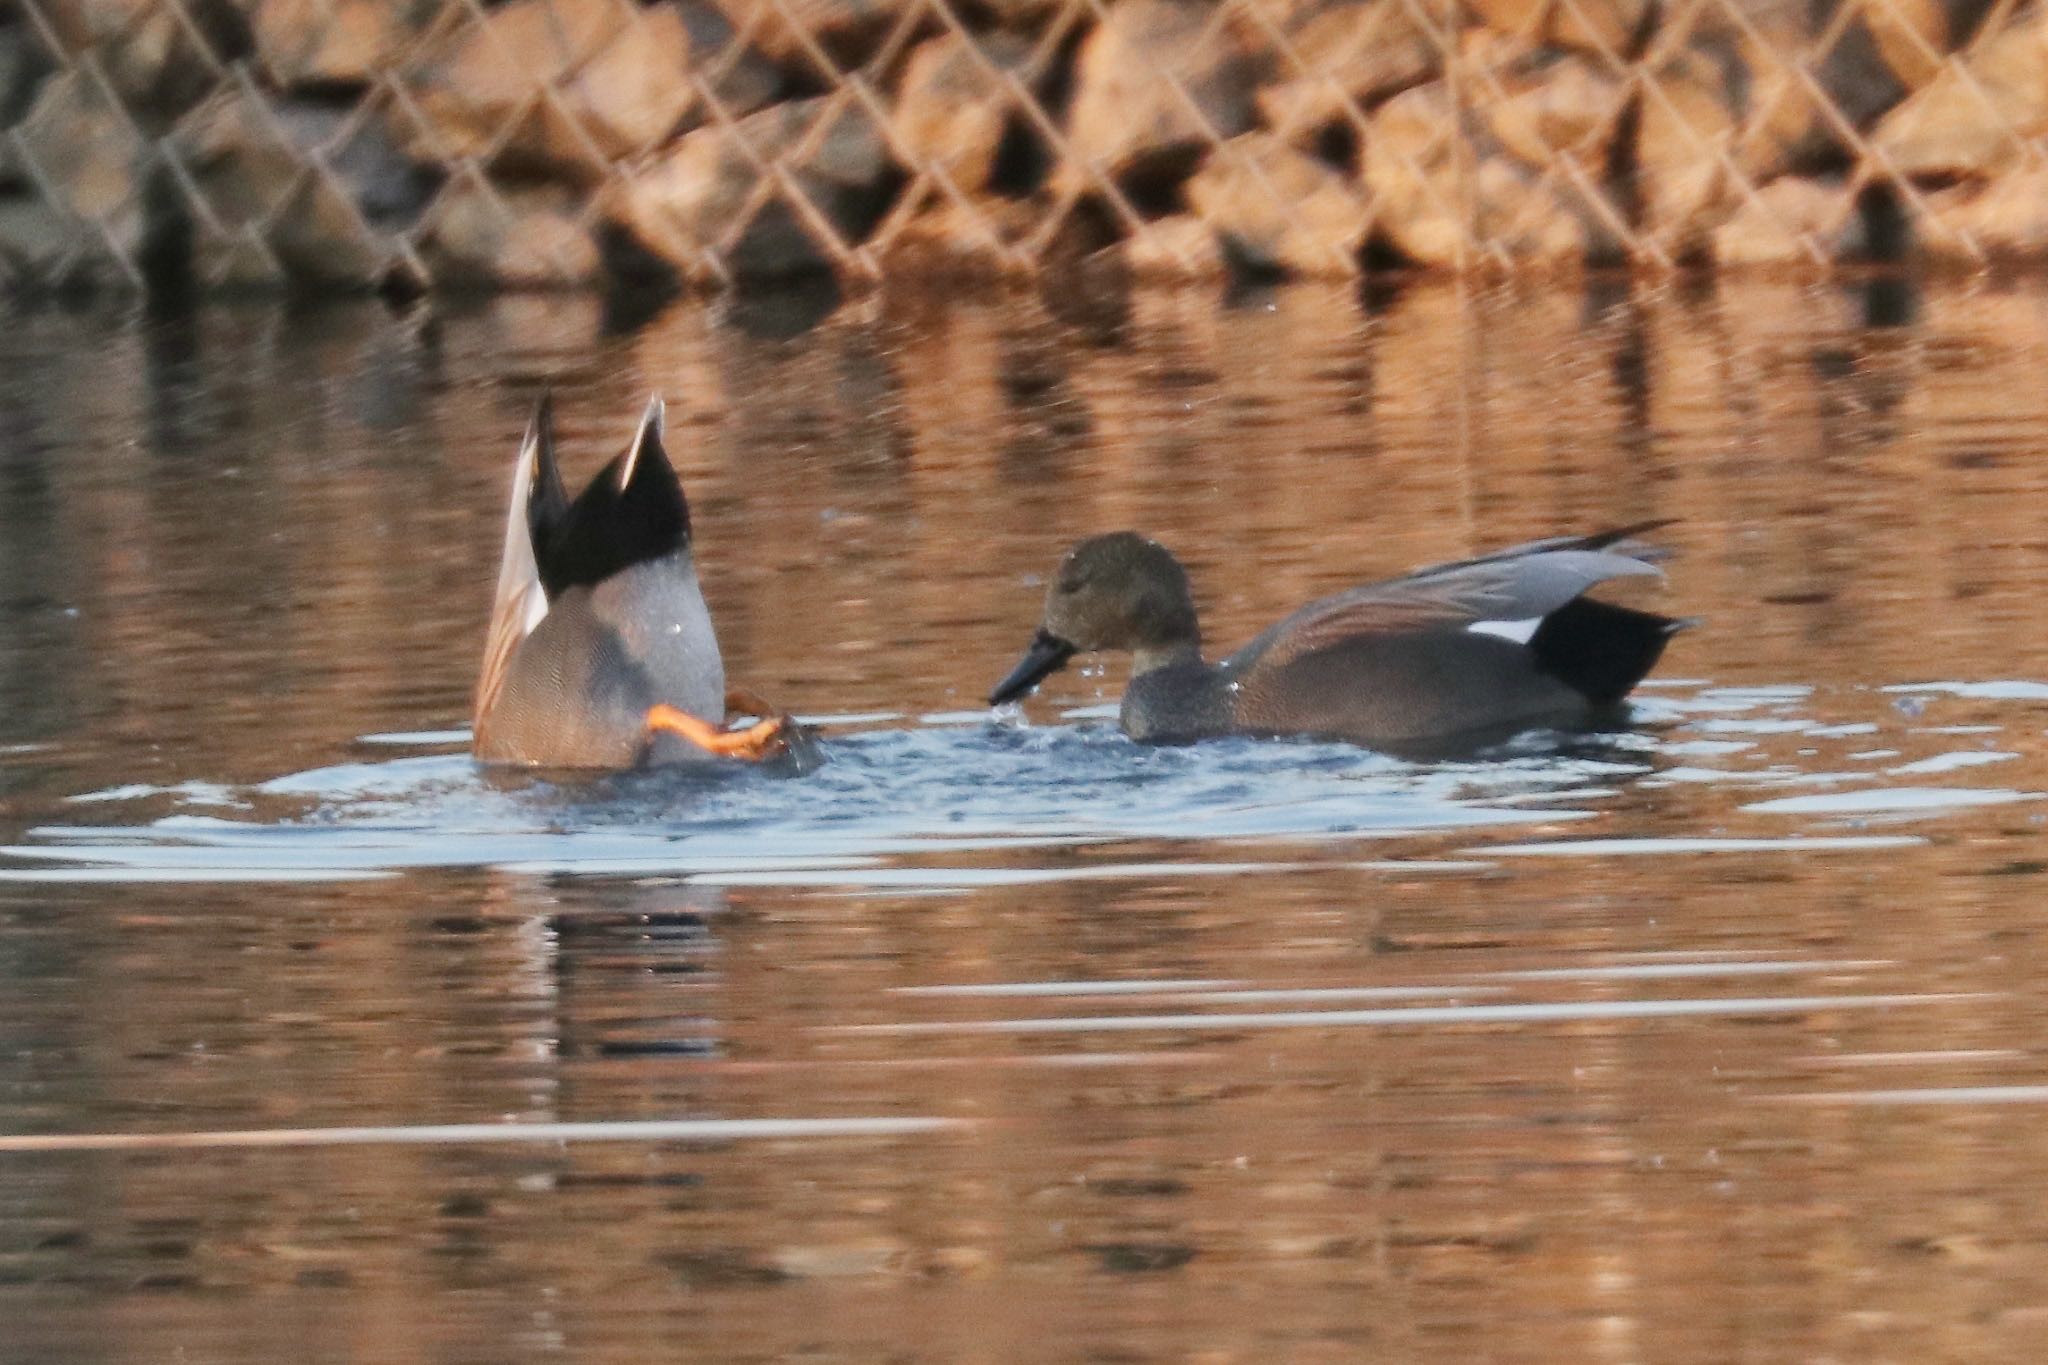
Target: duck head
1116	591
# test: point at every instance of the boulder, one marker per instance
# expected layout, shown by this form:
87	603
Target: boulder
512	239
741	81
23	65
234	153
1436	212
1688	131
951	109
1344	60
1786	223
1754	72
1022	14
158	60
1606	26
848	31
2006	219
694	200
320	237
244	157
1549	105
618	75
1276	208
91	157
1878	58
334	225
1770	64
1179	246
1128	117
1975	122
970	239
329	42
1912	36
37	242
1853	75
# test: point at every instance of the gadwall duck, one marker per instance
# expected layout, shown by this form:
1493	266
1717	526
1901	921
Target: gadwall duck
1468	650
601	652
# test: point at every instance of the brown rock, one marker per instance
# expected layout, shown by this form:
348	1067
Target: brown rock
320	236
951	109
1438	213
515	239
329	42
23	65
332	226
1791	221
91	157
1882	54
974	238
1553	106
1771	64
1912	36
37	242
2006	219
1753	70
1948	130
619	75
244	156
1853	77
1023	14
1127	116
232	151
1342	61
158	61
1591	25
1177	247
741	80
1278	209
846	30
1688	133
695	199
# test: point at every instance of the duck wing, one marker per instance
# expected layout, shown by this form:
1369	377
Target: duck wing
1521	583
535	508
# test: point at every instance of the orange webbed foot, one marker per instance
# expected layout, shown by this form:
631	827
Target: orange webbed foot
759	741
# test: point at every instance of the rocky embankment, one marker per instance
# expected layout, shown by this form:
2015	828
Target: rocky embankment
564	142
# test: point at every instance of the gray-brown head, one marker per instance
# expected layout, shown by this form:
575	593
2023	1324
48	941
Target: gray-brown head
1116	591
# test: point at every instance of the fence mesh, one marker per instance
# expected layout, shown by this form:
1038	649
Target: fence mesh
413	144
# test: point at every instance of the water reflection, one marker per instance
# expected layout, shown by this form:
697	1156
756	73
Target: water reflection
1710	1039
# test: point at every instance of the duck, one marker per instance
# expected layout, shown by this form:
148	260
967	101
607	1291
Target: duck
1446	656
601	652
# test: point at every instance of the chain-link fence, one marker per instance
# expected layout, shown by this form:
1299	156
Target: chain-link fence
409	144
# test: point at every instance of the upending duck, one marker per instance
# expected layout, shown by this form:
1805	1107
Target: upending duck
1472	649
601	652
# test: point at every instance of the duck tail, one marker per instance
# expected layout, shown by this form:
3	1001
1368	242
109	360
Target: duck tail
1602	650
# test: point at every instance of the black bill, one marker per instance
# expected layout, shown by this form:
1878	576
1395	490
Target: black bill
1048	654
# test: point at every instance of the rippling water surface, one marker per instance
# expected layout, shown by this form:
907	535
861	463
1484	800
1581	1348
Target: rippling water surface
999	1038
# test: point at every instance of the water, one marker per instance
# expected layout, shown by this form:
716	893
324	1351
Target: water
1000	1038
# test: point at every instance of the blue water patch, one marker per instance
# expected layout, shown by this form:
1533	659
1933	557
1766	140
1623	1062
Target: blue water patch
962	799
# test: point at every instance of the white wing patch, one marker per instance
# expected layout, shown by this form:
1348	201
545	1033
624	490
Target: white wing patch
1521	632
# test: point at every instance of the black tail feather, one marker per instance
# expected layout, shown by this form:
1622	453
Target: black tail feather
631	512
1600	649
546	502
